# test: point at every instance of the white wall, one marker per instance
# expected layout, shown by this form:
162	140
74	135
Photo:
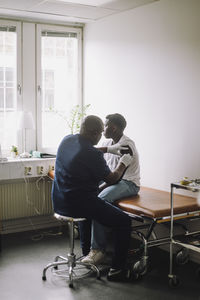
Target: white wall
145	64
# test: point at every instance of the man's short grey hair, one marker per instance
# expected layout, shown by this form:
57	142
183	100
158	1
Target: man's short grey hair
92	123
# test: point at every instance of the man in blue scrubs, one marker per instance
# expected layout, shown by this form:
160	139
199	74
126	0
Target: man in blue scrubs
79	169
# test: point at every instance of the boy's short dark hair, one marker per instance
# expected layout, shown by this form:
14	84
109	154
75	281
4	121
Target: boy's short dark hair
118	120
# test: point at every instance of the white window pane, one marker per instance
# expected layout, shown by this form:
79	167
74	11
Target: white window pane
1	98
8	136
49	79
10	98
59	64
1	71
49	100
8	83
9	72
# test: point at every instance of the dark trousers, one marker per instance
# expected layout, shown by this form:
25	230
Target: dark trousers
110	216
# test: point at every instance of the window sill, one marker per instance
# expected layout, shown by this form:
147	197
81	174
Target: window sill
14	168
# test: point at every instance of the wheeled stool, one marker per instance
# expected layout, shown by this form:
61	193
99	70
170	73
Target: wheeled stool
70	261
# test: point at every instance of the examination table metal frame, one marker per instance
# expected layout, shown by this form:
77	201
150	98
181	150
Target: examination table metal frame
152	207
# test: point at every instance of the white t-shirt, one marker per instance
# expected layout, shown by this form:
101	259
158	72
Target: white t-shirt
133	171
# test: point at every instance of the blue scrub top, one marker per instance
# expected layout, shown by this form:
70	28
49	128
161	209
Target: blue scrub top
79	169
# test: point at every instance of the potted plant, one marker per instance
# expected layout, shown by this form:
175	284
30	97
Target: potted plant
14	151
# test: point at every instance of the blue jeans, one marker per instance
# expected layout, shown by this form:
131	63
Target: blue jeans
122	189
108	215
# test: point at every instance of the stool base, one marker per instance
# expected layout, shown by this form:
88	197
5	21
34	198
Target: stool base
74	268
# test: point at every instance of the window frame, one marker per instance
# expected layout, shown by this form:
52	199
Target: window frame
19	84
54	28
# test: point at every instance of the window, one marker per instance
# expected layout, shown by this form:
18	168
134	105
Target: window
9	80
59	85
51	71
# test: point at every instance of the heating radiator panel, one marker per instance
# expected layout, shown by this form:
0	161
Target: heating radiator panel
19	199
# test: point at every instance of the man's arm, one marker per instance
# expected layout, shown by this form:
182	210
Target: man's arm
114	149
103	149
103	186
114	176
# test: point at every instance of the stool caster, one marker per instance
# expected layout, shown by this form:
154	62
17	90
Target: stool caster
71	285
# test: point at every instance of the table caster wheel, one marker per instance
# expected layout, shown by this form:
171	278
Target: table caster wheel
140	267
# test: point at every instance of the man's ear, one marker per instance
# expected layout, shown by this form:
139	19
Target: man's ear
114	128
95	133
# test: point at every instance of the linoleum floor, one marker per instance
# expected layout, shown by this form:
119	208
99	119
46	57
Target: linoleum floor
24	255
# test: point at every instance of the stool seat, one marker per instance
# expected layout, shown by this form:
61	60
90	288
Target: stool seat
70	261
68	219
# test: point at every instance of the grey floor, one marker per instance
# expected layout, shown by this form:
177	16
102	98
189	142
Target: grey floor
24	255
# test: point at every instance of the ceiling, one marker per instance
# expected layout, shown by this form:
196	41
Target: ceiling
79	11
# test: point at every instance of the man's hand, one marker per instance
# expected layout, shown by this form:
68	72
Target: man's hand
126	159
116	148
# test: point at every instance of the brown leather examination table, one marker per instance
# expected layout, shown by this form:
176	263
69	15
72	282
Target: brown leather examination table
153	207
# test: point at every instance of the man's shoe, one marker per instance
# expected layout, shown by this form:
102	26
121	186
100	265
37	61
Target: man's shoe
119	275
95	257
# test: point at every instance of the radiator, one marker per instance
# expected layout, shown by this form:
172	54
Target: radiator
23	201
